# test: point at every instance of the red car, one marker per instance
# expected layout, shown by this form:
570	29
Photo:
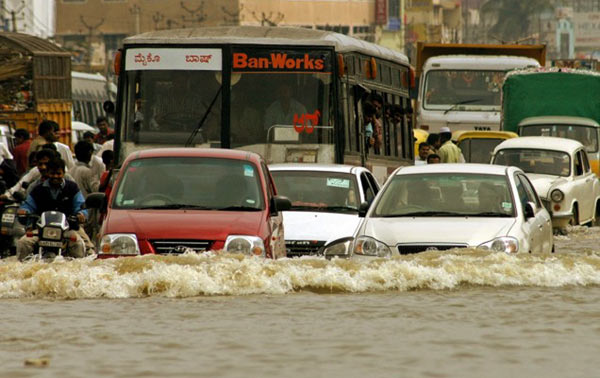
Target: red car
169	201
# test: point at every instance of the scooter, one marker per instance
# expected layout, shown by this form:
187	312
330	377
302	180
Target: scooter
10	227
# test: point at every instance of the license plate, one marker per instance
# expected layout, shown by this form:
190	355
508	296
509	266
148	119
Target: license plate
47	243
8	218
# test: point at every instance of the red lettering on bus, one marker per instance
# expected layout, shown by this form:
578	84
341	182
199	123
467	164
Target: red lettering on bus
240	60
278	61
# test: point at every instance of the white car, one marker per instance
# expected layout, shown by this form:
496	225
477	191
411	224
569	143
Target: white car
325	204
560	171
442	206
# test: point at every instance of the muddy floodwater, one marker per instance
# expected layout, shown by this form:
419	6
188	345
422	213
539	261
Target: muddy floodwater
465	313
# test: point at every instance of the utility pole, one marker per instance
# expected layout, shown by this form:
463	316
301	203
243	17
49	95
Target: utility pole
136	11
90	35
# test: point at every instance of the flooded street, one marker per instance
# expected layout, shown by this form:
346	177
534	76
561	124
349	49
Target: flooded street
466	313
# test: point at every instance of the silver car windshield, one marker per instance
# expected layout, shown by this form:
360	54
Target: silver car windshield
451	194
190	183
318	191
543	162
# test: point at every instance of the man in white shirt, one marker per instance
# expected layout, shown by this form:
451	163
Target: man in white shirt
283	110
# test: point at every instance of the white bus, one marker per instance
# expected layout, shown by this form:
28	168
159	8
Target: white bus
89	92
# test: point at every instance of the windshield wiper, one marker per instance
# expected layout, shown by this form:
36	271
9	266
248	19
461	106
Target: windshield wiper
461	103
490	214
174	206
426	214
304	207
192	136
238	208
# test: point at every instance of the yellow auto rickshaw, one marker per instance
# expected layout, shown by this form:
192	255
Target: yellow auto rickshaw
477	146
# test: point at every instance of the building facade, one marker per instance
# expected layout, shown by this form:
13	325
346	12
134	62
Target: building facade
94	29
34	17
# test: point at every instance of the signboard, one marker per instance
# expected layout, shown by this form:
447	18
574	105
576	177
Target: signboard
381	12
149	58
281	61
587	29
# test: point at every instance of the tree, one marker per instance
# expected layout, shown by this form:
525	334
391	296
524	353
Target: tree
512	19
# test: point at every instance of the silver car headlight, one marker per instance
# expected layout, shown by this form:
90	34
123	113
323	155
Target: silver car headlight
51	233
367	246
248	245
557	195
119	244
338	248
506	244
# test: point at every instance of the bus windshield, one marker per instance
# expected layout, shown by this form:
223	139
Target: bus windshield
464	90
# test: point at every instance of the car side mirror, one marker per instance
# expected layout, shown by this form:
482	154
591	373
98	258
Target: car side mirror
281	203
529	210
363	209
95	200
109	107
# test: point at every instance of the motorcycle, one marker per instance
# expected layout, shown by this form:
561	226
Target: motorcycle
52	229
10	227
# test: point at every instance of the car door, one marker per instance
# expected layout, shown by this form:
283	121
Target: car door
591	184
582	188
542	226
532	227
277	238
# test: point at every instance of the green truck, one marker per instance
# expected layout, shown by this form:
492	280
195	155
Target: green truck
554	102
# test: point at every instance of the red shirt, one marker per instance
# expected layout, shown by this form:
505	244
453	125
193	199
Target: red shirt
101	138
21	158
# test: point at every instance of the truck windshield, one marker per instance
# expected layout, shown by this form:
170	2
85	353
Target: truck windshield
543	162
463	90
585	135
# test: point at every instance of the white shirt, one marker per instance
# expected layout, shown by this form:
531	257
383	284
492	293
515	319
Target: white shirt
275	115
65	154
108	145
85	179
97	166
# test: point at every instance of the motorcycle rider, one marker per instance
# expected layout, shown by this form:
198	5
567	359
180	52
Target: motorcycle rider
58	194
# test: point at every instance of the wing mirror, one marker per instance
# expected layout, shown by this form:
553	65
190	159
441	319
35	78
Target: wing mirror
95	200
530	210
363	209
281	203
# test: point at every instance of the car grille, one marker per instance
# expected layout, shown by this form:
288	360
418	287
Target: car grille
296	248
407	249
164	247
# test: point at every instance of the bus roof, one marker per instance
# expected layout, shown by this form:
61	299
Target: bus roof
266	35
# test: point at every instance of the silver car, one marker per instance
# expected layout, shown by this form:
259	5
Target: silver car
445	206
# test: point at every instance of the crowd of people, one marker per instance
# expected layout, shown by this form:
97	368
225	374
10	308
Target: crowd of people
50	176
439	148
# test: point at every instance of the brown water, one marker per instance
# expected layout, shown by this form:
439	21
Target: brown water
460	314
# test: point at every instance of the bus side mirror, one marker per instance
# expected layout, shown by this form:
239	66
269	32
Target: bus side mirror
109	107
363	209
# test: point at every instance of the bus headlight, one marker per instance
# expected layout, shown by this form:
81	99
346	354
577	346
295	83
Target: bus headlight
248	245
119	244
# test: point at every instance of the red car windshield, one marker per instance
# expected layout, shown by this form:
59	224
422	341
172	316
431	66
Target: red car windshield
190	183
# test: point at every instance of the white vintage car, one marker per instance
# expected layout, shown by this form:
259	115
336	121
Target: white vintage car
325	204
443	206
560	171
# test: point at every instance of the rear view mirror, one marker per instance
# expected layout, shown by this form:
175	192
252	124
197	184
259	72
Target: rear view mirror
529	210
363	209
95	200
281	203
